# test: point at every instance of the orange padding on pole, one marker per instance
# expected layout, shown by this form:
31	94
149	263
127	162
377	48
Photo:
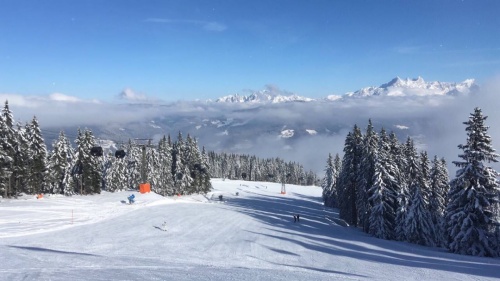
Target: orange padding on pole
144	187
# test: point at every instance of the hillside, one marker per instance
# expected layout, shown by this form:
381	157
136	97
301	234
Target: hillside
249	236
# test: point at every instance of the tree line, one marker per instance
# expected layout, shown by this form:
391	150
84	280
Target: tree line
27	166
252	168
392	191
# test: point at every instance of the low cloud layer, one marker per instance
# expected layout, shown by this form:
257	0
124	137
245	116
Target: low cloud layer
436	123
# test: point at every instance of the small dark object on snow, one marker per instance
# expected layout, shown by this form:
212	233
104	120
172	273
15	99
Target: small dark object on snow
220	197
298	217
294	218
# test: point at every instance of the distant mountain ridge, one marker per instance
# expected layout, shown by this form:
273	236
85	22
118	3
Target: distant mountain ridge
269	95
395	87
416	87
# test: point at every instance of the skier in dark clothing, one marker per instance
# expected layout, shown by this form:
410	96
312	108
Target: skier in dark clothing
294	218
298	217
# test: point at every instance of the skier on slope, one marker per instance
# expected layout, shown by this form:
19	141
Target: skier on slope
131	199
296	218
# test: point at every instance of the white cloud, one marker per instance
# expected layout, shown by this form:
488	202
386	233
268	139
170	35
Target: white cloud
60	110
129	95
402	127
63	98
19	100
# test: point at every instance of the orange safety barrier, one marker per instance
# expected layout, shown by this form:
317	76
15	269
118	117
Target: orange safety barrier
144	187
39	196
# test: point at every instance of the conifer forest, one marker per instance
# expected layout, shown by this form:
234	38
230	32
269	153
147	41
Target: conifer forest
392	191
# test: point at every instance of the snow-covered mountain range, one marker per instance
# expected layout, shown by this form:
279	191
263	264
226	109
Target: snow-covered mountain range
269	95
395	87
276	123
416	87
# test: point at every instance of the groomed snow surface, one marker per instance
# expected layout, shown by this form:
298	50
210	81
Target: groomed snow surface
249	236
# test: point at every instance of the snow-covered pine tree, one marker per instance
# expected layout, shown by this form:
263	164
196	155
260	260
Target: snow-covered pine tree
396	151
8	138
37	177
233	171
90	179
153	169
165	155
5	188
21	161
369	154
183	179
96	164
194	162
80	154
256	169
382	192
243	166
440	187
337	164
472	210
224	166
419	226
133	160
213	161
252	163
328	184
60	160
206	185
348	177
311	178
116	174
297	171
408	172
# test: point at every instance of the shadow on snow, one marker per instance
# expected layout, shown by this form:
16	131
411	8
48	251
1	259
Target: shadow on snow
39	249
316	233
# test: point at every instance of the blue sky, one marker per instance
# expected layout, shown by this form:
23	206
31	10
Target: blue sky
187	49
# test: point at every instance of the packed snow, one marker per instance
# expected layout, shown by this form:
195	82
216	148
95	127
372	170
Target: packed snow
240	231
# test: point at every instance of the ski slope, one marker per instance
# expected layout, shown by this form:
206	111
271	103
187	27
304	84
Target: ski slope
249	236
